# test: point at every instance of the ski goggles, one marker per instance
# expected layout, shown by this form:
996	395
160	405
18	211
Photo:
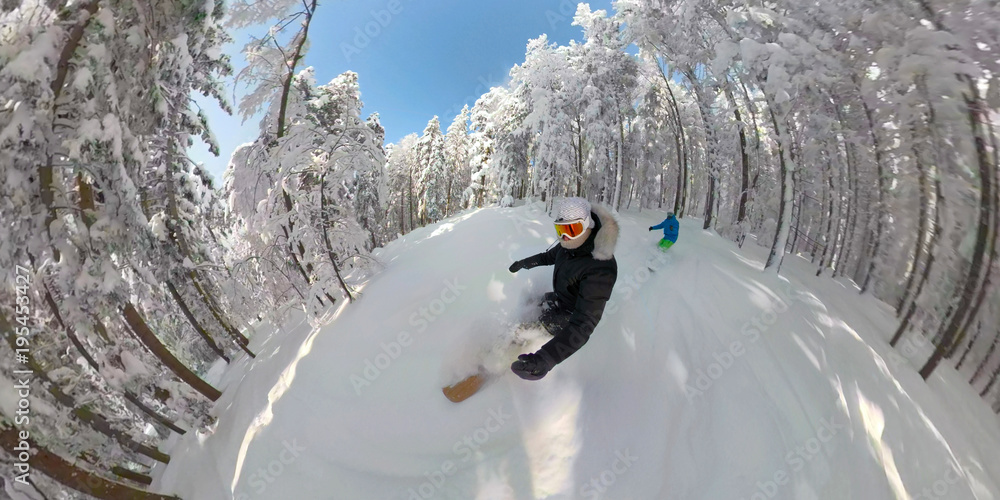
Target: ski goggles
571	230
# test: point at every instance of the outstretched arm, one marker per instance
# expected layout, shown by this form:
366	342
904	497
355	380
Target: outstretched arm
659	226
546	258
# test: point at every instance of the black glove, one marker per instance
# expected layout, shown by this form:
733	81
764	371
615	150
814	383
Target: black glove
650	228
532	366
516	266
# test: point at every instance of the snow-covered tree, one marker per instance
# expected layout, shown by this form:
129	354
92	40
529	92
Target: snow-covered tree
432	164
302	188
402	170
311	179
457	151
82	132
371	188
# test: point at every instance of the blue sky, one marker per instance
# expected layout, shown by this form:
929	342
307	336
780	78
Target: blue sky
426	58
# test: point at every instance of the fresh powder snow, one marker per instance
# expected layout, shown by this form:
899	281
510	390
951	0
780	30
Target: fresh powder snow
705	379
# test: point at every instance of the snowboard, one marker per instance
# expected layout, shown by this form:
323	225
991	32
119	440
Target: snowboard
464	389
496	361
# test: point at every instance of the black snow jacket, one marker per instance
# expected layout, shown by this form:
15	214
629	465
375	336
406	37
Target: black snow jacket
582	282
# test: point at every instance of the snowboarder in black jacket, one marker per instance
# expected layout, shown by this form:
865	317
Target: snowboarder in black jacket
584	275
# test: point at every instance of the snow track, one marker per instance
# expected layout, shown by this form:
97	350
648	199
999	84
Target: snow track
706	379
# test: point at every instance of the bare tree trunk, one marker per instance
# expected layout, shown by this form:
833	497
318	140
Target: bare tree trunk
796	220
87	416
87	203
986	359
711	139
579	156
237	337
968	347
180	241
329	246
993	227
633	189
840	224
828	195
447	199
972	280
850	222
787	188
409	177
679	189
402	213
744	158
710	202
149	339
880	208
680	200
847	235
833	220
993	380
796	224
619	164
71	476
286	230
918	251
131	475
282	111
75	340
294	61
756	134
903	324
194	322
936	233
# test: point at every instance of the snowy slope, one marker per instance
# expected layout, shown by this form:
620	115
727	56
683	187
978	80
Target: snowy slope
706	379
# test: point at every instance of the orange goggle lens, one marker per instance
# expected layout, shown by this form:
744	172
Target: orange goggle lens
570	229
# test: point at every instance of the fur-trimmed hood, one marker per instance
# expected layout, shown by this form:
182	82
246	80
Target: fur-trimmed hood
607	234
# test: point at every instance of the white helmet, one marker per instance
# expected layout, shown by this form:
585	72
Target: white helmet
572	209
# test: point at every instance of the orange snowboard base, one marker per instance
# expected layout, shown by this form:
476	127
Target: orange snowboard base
464	389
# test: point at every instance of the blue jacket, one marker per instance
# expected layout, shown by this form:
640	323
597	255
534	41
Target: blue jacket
670	228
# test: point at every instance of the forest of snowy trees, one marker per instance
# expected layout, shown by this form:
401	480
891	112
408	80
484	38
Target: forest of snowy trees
858	134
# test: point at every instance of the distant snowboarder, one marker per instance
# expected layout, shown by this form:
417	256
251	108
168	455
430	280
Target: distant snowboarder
584	275
670	229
